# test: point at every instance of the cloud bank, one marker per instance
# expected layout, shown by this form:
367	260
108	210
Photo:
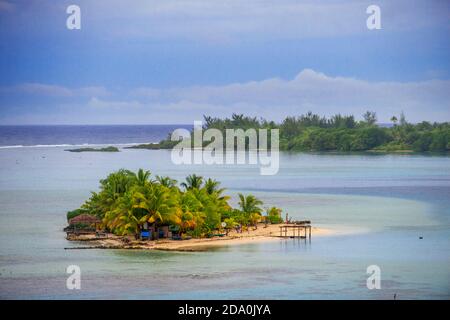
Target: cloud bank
272	98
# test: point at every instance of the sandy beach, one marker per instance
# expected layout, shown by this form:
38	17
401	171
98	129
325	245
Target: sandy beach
263	233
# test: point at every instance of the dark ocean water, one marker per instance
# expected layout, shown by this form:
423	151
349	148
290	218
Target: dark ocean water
15	136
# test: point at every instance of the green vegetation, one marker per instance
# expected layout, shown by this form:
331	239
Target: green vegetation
150	146
106	149
274	215
340	133
128	200
164	144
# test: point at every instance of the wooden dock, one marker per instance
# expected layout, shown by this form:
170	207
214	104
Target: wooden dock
302	231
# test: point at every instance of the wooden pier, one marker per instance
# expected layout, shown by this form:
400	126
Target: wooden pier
295	231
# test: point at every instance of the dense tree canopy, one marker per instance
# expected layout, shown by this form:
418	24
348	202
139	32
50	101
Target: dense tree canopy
127	200
311	132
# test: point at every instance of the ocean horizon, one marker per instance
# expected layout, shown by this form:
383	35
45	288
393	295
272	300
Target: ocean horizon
16	136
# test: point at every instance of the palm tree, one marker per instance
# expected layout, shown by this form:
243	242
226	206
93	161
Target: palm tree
142	177
250	207
117	183
166	181
192	216
123	219
193	182
250	203
158	203
212	186
274	215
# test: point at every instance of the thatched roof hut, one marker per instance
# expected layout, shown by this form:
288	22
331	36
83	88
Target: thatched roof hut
84	219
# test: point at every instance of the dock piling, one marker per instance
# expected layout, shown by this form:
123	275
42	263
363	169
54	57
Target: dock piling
296	231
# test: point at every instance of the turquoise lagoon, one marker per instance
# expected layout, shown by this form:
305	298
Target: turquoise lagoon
376	205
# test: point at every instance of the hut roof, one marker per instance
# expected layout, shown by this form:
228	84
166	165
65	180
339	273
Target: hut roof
84	218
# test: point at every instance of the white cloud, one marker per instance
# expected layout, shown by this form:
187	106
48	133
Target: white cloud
315	91
98	103
273	98
43	89
40	89
92	91
150	93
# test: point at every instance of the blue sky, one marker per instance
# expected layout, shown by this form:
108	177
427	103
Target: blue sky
173	61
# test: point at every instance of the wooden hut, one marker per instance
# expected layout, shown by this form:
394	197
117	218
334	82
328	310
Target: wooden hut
85	219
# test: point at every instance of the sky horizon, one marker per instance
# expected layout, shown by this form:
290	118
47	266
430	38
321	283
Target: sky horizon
171	62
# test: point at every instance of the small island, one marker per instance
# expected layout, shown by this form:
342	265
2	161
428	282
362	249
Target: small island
164	144
136	211
149	146
105	149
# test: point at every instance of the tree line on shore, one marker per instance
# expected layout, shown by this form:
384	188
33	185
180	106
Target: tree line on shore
127	201
342	133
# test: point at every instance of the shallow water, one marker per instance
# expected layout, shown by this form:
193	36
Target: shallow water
378	205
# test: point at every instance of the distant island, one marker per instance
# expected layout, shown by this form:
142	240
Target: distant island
339	133
105	149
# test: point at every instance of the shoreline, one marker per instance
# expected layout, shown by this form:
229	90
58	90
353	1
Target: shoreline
262	234
157	146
